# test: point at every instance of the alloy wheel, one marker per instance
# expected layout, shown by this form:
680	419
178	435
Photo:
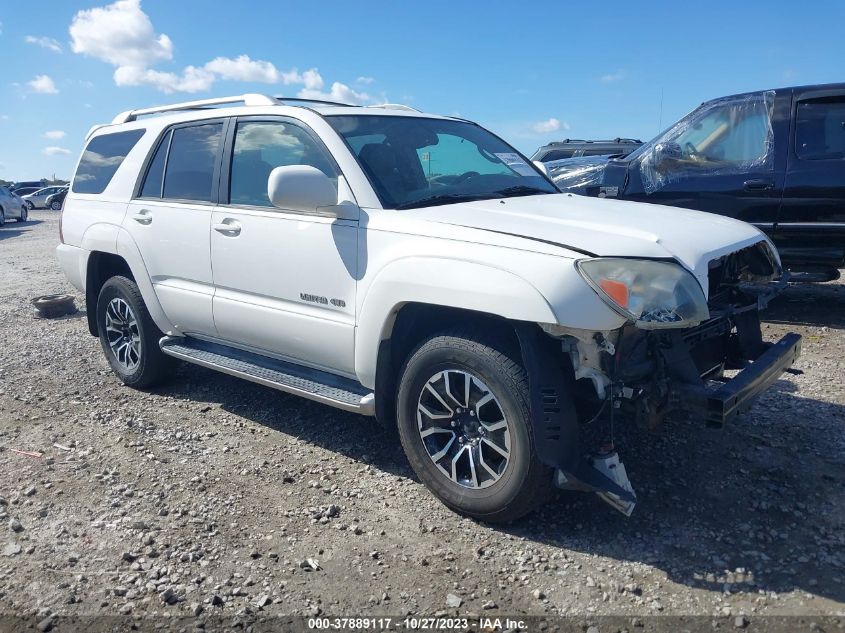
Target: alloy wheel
464	429
123	335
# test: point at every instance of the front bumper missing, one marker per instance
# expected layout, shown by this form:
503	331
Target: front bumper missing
720	404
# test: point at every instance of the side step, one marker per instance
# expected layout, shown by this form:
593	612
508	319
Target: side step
313	384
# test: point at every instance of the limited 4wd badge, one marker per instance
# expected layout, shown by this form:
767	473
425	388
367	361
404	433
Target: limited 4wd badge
338	303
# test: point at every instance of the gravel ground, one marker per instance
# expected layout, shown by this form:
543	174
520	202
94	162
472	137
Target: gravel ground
217	496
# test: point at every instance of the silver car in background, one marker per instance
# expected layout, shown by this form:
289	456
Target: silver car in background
38	199
12	207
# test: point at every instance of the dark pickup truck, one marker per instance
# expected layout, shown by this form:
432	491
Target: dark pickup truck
774	158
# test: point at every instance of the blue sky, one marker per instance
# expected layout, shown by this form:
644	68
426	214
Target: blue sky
532	72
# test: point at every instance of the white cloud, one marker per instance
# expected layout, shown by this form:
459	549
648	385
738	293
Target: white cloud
549	125
192	79
365	81
339	92
612	77
44	42
120	34
54	135
55	151
243	68
43	85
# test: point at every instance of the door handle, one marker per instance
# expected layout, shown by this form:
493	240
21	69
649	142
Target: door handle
144	216
228	227
758	184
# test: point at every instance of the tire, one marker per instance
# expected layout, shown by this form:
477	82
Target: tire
130	338
55	205
52	306
2	217
523	482
24	215
30	205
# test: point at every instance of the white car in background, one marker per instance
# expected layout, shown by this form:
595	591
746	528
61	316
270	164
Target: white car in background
38	199
12	207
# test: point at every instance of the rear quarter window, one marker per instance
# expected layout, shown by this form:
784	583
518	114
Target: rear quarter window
101	158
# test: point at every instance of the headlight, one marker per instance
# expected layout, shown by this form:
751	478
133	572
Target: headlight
653	294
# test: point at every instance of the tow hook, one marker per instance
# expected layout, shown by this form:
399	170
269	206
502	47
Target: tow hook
604	474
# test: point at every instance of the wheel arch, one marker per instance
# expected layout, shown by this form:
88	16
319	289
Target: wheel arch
114	252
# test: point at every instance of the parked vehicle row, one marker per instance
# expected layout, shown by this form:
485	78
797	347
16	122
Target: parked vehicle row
41	198
576	148
774	158
416	268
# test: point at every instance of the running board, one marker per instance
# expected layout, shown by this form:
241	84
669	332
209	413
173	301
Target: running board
313	384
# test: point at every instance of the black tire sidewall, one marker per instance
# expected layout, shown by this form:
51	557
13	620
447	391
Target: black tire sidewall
127	290
480	503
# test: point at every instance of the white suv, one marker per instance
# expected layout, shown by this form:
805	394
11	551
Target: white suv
416	268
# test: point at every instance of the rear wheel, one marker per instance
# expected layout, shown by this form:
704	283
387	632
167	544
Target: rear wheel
56	205
24	215
129	336
2	217
464	421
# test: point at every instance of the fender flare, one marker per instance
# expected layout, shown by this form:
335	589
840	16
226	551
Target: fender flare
115	240
440	282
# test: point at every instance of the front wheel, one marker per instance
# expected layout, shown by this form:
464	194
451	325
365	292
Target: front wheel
464	422
129	336
55	205
30	205
24	215
2	217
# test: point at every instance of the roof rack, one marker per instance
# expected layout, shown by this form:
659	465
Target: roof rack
394	106
251	99
247	100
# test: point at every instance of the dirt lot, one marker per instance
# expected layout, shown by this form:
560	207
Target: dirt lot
217	496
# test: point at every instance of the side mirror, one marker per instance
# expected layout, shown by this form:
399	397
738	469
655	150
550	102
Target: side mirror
302	188
667	155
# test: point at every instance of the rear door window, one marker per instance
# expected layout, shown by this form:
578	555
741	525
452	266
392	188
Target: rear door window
101	159
189	174
820	129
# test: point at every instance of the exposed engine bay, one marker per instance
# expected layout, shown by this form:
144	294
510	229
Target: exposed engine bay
644	374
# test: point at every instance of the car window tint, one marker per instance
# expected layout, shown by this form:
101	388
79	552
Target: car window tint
601	151
558	154
820	129
260	147
155	172
101	158
190	164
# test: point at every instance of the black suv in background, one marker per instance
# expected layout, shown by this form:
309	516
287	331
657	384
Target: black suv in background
573	148
774	158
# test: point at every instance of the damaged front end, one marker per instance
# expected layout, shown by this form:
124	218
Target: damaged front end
712	368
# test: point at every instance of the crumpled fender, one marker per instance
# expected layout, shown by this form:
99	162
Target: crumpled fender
442	282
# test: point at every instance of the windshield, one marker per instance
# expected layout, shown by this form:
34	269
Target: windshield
417	162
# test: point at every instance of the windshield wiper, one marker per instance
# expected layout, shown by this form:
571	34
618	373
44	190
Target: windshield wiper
443	198
520	190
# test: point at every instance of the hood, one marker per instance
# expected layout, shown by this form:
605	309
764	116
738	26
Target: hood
605	227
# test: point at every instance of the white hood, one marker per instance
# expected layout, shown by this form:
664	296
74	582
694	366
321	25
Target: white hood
607	228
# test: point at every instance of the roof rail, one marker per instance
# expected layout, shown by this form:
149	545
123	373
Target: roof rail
394	106
317	101
246	99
